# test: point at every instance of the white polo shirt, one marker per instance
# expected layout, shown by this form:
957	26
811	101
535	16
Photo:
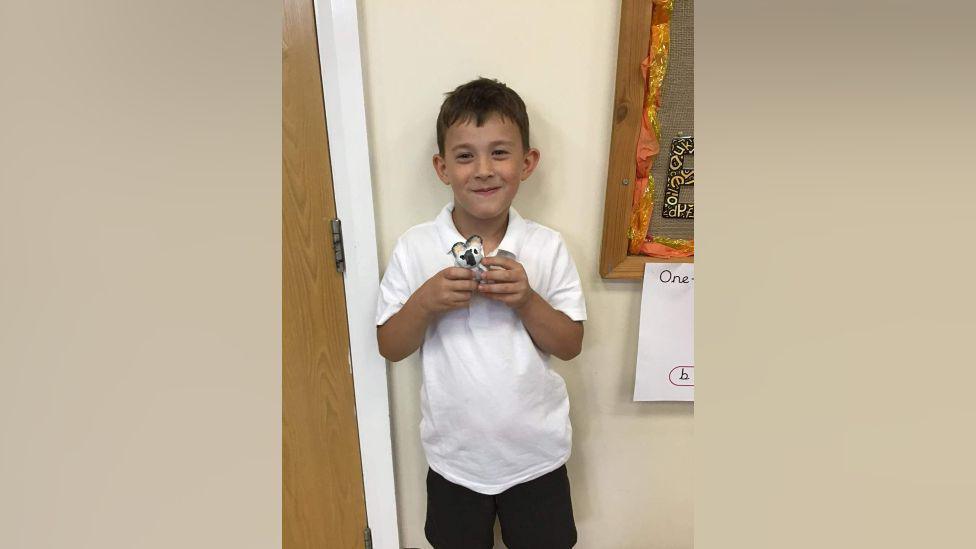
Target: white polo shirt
493	412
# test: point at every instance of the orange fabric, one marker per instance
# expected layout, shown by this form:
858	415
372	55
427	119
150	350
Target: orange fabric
654	249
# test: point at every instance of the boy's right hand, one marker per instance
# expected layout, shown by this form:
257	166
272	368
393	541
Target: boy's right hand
449	289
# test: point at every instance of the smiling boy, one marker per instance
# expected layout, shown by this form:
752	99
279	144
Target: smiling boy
495	417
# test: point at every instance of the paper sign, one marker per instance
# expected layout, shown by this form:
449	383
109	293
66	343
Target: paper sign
666	340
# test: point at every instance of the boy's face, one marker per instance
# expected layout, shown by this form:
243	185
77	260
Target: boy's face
484	166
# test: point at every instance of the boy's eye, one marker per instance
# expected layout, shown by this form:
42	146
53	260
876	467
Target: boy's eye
464	156
499	152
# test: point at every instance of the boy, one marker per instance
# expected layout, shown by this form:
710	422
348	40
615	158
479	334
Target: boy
495	418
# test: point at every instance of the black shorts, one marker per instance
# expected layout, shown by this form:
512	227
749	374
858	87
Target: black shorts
537	514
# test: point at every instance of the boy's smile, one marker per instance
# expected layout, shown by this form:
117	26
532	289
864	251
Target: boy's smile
484	167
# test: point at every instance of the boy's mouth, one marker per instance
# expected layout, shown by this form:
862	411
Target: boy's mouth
486	192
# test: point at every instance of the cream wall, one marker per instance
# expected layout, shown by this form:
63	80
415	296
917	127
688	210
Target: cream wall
631	471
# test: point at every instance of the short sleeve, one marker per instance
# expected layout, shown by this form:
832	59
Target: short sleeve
565	293
394	288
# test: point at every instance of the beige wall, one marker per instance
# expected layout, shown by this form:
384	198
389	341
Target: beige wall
631	471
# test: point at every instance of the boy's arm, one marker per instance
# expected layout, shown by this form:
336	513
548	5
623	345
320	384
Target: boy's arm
403	333
551	330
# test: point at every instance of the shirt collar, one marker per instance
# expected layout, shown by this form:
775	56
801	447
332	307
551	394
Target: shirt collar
511	242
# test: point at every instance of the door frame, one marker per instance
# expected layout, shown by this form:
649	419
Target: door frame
337	27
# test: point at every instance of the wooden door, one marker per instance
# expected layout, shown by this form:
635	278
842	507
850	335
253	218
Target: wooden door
323	505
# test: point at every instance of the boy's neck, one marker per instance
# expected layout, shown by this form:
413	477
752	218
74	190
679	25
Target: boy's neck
491	231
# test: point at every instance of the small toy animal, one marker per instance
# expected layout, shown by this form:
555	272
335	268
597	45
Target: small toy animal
468	254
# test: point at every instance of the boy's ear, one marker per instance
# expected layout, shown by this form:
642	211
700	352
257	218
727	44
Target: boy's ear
529	162
440	167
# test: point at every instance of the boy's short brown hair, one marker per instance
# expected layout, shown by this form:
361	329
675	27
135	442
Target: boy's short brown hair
479	99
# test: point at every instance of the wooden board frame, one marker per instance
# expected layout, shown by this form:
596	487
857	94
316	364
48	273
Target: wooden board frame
628	107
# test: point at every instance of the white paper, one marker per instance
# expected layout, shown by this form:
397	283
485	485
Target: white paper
666	340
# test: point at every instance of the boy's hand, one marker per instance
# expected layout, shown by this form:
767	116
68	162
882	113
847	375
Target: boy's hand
511	284
449	289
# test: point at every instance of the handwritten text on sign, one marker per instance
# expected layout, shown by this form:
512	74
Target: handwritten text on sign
666	341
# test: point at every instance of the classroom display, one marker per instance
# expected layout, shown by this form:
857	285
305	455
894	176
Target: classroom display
649	208
666	83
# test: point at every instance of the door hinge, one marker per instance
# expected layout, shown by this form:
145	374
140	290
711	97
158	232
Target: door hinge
340	255
368	538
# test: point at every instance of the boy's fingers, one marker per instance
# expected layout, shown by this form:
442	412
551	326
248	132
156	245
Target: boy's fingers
498	288
462	285
502	262
504	298
458	273
499	276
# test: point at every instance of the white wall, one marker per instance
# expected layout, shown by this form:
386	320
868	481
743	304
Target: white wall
631	471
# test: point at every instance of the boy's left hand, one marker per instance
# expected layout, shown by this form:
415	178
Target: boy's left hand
510	283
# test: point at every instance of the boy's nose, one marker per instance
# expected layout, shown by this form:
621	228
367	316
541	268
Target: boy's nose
484	168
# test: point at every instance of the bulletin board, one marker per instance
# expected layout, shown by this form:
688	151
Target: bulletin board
649	207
